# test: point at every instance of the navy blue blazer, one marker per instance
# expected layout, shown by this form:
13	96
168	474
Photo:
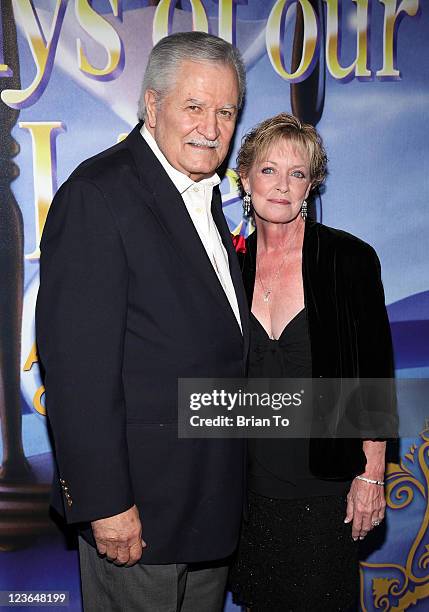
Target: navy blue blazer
128	303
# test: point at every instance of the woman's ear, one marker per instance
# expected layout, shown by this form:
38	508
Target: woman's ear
307	193
245	182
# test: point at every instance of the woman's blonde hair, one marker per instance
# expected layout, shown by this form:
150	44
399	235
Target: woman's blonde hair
273	131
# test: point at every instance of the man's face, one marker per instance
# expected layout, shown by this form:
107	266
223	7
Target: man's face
194	122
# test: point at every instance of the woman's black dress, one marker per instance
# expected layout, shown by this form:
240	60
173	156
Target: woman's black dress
295	551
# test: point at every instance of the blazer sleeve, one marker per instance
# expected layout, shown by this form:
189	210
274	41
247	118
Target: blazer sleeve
375	367
80	324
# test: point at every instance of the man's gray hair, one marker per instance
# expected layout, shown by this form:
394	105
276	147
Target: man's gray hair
169	53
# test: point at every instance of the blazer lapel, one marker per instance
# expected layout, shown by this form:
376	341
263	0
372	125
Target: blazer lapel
168	207
234	267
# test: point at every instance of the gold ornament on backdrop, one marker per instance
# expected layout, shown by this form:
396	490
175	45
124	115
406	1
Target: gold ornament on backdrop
401	586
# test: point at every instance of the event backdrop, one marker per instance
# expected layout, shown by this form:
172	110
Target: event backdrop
70	73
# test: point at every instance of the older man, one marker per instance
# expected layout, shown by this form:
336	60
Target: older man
139	287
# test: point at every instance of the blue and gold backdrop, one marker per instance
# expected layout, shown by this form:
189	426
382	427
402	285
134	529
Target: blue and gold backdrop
70	75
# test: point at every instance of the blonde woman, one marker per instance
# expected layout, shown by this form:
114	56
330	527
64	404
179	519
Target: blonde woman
317	310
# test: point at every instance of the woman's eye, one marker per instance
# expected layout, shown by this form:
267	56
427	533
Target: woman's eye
267	170
298	174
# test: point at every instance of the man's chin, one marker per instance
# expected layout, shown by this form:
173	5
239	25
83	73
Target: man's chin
203	170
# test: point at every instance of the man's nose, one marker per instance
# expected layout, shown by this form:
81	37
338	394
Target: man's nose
209	126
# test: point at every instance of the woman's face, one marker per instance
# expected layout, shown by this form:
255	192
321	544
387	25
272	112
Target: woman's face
279	182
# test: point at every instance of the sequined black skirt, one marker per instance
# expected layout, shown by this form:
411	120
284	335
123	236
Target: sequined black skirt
296	554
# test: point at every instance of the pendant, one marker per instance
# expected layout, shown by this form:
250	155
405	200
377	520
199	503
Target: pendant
267	295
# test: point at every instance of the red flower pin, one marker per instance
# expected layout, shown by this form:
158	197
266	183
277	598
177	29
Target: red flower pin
239	243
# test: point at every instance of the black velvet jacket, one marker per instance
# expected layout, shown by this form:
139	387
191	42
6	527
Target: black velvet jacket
349	329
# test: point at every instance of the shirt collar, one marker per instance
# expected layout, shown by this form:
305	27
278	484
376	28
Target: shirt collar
180	180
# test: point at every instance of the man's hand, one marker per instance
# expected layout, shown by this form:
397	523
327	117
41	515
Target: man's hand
119	537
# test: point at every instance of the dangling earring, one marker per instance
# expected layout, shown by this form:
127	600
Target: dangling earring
304	210
247	201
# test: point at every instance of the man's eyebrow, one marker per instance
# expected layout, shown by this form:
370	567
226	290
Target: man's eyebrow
201	103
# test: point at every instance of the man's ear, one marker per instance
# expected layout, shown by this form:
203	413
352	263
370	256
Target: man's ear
150	100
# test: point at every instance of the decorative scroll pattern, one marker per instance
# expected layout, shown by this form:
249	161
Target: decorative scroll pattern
395	586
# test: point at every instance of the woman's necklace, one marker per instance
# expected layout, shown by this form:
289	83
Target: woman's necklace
267	290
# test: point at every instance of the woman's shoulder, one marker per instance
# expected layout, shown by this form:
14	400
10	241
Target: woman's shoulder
343	242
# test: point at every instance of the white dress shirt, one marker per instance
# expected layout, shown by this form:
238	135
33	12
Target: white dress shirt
197	197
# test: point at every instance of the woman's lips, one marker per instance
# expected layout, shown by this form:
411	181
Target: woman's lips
277	201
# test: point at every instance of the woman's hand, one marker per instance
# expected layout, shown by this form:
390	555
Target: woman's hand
366	506
366	503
